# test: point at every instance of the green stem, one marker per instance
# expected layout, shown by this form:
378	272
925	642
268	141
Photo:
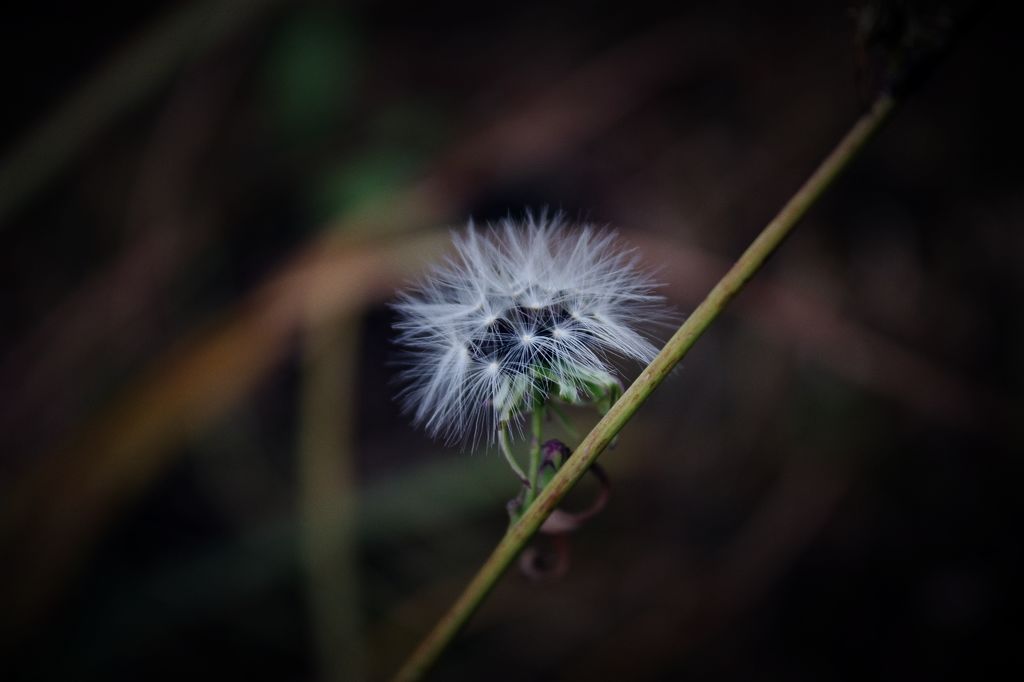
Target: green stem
588	451
537	422
505	443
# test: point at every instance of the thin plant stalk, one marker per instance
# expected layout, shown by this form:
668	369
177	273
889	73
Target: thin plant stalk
696	324
505	443
537	423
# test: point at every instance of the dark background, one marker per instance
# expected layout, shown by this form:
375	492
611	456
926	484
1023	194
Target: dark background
205	207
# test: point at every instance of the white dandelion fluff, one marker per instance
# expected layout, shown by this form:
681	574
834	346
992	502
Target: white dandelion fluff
525	311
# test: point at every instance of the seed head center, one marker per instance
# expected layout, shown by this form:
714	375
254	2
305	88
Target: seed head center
517	326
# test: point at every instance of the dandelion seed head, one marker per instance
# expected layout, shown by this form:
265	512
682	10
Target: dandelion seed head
522	308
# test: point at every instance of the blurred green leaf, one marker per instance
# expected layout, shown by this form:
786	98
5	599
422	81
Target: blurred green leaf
312	72
360	181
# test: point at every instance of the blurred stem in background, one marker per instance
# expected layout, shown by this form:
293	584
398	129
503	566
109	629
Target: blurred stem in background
328	483
594	444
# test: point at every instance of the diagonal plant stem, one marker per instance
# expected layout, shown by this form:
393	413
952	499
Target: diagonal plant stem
588	451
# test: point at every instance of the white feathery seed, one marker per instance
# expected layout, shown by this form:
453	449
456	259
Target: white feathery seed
525	307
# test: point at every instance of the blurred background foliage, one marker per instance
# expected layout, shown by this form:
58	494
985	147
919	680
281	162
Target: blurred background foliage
205	207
